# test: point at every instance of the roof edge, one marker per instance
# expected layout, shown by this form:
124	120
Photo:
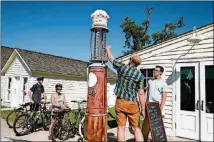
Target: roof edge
168	40
11	59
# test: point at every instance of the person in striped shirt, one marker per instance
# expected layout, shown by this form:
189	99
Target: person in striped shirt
129	85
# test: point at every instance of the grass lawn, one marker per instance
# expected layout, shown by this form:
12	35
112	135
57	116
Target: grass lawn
4	107
111	118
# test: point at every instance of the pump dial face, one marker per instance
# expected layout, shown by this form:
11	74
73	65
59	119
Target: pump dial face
92	79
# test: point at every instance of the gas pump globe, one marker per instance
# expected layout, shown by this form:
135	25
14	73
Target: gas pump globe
99	31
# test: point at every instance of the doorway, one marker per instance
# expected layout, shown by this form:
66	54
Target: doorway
194	100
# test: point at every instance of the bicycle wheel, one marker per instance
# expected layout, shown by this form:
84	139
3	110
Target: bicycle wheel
46	120
65	130
12	116
23	122
56	130
82	127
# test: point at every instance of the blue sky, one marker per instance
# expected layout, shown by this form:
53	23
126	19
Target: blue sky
63	28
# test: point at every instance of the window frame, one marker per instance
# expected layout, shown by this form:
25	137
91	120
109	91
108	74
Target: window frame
146	77
24	88
9	89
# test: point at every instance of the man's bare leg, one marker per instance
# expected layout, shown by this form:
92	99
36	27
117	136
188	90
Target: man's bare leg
121	134
138	134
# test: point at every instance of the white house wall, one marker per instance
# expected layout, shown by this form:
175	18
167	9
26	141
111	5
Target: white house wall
16	68
165	54
74	90
4	90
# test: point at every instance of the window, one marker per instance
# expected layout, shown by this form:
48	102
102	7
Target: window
209	85
24	91
148	74
9	88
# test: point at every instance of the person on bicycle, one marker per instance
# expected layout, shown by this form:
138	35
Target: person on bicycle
36	94
58	102
129	86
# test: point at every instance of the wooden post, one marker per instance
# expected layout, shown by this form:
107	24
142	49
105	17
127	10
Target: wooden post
145	128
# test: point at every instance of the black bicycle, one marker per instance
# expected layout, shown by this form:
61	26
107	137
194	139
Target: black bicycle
16	112
27	123
64	127
61	127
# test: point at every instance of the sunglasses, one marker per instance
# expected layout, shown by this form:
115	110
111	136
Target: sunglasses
59	89
156	70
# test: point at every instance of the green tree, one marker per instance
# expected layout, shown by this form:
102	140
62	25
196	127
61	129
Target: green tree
137	37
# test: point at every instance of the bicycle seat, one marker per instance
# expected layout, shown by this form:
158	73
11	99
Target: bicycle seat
28	103
25	104
84	101
67	110
58	110
45	102
21	108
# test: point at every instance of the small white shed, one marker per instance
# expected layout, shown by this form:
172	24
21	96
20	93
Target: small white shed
21	67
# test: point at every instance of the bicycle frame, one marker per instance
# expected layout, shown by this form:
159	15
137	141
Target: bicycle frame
40	114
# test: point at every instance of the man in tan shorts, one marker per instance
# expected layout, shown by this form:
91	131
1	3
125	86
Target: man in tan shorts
128	86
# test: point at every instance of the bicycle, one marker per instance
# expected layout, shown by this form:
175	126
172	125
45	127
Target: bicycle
63	127
17	111
30	121
59	129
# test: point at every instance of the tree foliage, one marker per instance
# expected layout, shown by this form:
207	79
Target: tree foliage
137	37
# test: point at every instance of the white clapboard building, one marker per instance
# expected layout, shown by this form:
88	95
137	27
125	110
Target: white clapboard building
20	69
189	73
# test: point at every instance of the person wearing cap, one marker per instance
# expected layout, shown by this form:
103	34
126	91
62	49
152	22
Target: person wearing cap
36	93
128	87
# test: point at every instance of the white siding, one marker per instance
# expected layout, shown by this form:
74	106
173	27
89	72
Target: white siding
16	68
176	50
74	90
4	90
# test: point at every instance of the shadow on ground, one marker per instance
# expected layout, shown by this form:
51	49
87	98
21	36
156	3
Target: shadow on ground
112	123
111	137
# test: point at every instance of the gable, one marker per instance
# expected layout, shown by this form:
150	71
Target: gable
16	68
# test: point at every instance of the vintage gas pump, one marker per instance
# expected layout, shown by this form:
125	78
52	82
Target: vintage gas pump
96	112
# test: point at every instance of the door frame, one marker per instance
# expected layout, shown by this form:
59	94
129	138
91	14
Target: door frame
15	95
197	97
203	131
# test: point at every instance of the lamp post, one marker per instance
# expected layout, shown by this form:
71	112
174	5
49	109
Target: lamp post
96	112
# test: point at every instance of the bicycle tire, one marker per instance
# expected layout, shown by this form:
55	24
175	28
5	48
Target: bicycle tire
17	113
28	123
46	120
66	129
55	130
82	127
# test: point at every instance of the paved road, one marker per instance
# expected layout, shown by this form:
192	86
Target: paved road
7	134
